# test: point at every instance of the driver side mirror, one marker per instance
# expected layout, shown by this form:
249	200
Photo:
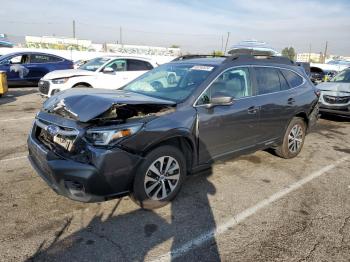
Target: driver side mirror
220	100
108	70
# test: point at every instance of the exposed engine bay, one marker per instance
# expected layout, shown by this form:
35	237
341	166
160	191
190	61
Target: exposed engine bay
121	113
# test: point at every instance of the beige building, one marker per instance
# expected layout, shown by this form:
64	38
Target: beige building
309	57
61	43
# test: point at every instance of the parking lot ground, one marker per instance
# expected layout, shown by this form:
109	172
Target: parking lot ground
256	207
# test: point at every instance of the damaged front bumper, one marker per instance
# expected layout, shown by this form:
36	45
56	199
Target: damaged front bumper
335	109
335	103
108	174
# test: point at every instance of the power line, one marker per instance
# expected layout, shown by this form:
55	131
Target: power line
73	28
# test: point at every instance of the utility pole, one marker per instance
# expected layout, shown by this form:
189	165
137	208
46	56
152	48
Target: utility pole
309	53
228	36
222	43
120	36
73	28
325	52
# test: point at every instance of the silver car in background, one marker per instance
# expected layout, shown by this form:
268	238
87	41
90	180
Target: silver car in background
335	94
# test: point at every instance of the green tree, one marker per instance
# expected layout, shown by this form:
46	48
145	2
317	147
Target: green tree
174	46
217	53
289	52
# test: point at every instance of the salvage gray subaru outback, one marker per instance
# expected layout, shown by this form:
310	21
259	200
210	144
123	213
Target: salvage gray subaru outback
95	144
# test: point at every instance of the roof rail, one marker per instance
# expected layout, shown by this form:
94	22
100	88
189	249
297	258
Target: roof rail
185	57
266	58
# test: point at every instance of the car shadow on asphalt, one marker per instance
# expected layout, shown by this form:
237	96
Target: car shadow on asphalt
134	235
14	93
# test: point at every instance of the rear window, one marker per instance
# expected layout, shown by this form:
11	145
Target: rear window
283	81
293	79
138	65
55	59
44	59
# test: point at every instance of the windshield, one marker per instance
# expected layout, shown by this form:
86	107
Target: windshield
94	64
339	62
5	58
171	81
342	77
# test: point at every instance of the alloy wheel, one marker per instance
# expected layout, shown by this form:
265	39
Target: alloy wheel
295	139
162	177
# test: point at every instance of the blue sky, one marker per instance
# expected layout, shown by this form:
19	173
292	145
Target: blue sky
195	25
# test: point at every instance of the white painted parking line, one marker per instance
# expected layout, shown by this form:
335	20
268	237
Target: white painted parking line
11	159
233	221
16	119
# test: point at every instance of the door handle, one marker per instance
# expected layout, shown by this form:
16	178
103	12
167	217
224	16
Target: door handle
291	101
253	110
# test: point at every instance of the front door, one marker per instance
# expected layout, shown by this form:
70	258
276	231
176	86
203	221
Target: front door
227	128
16	69
112	76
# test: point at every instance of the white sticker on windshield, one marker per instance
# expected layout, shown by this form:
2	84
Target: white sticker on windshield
203	68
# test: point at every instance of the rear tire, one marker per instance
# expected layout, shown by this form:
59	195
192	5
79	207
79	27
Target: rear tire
293	139
159	178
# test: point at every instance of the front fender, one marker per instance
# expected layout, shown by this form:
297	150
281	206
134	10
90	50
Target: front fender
171	134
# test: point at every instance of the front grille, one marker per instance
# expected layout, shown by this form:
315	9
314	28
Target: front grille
44	87
336	99
53	140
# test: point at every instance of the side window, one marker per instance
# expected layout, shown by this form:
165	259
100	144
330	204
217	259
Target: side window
138	65
54	59
19	59
234	83
293	79
39	59
117	65
283	81
268	80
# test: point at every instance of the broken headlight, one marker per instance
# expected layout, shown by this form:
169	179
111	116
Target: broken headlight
59	81
106	136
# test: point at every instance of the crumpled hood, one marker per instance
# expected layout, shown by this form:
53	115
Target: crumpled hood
334	86
67	73
86	104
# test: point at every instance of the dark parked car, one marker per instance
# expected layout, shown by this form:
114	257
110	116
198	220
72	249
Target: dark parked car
95	144
26	68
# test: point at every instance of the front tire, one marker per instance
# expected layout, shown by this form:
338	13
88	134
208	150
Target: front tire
293	139
159	177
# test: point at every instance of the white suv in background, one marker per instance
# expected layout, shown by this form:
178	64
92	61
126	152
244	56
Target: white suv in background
110	72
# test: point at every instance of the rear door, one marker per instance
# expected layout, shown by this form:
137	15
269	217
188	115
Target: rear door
227	128
137	68
39	65
276	102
